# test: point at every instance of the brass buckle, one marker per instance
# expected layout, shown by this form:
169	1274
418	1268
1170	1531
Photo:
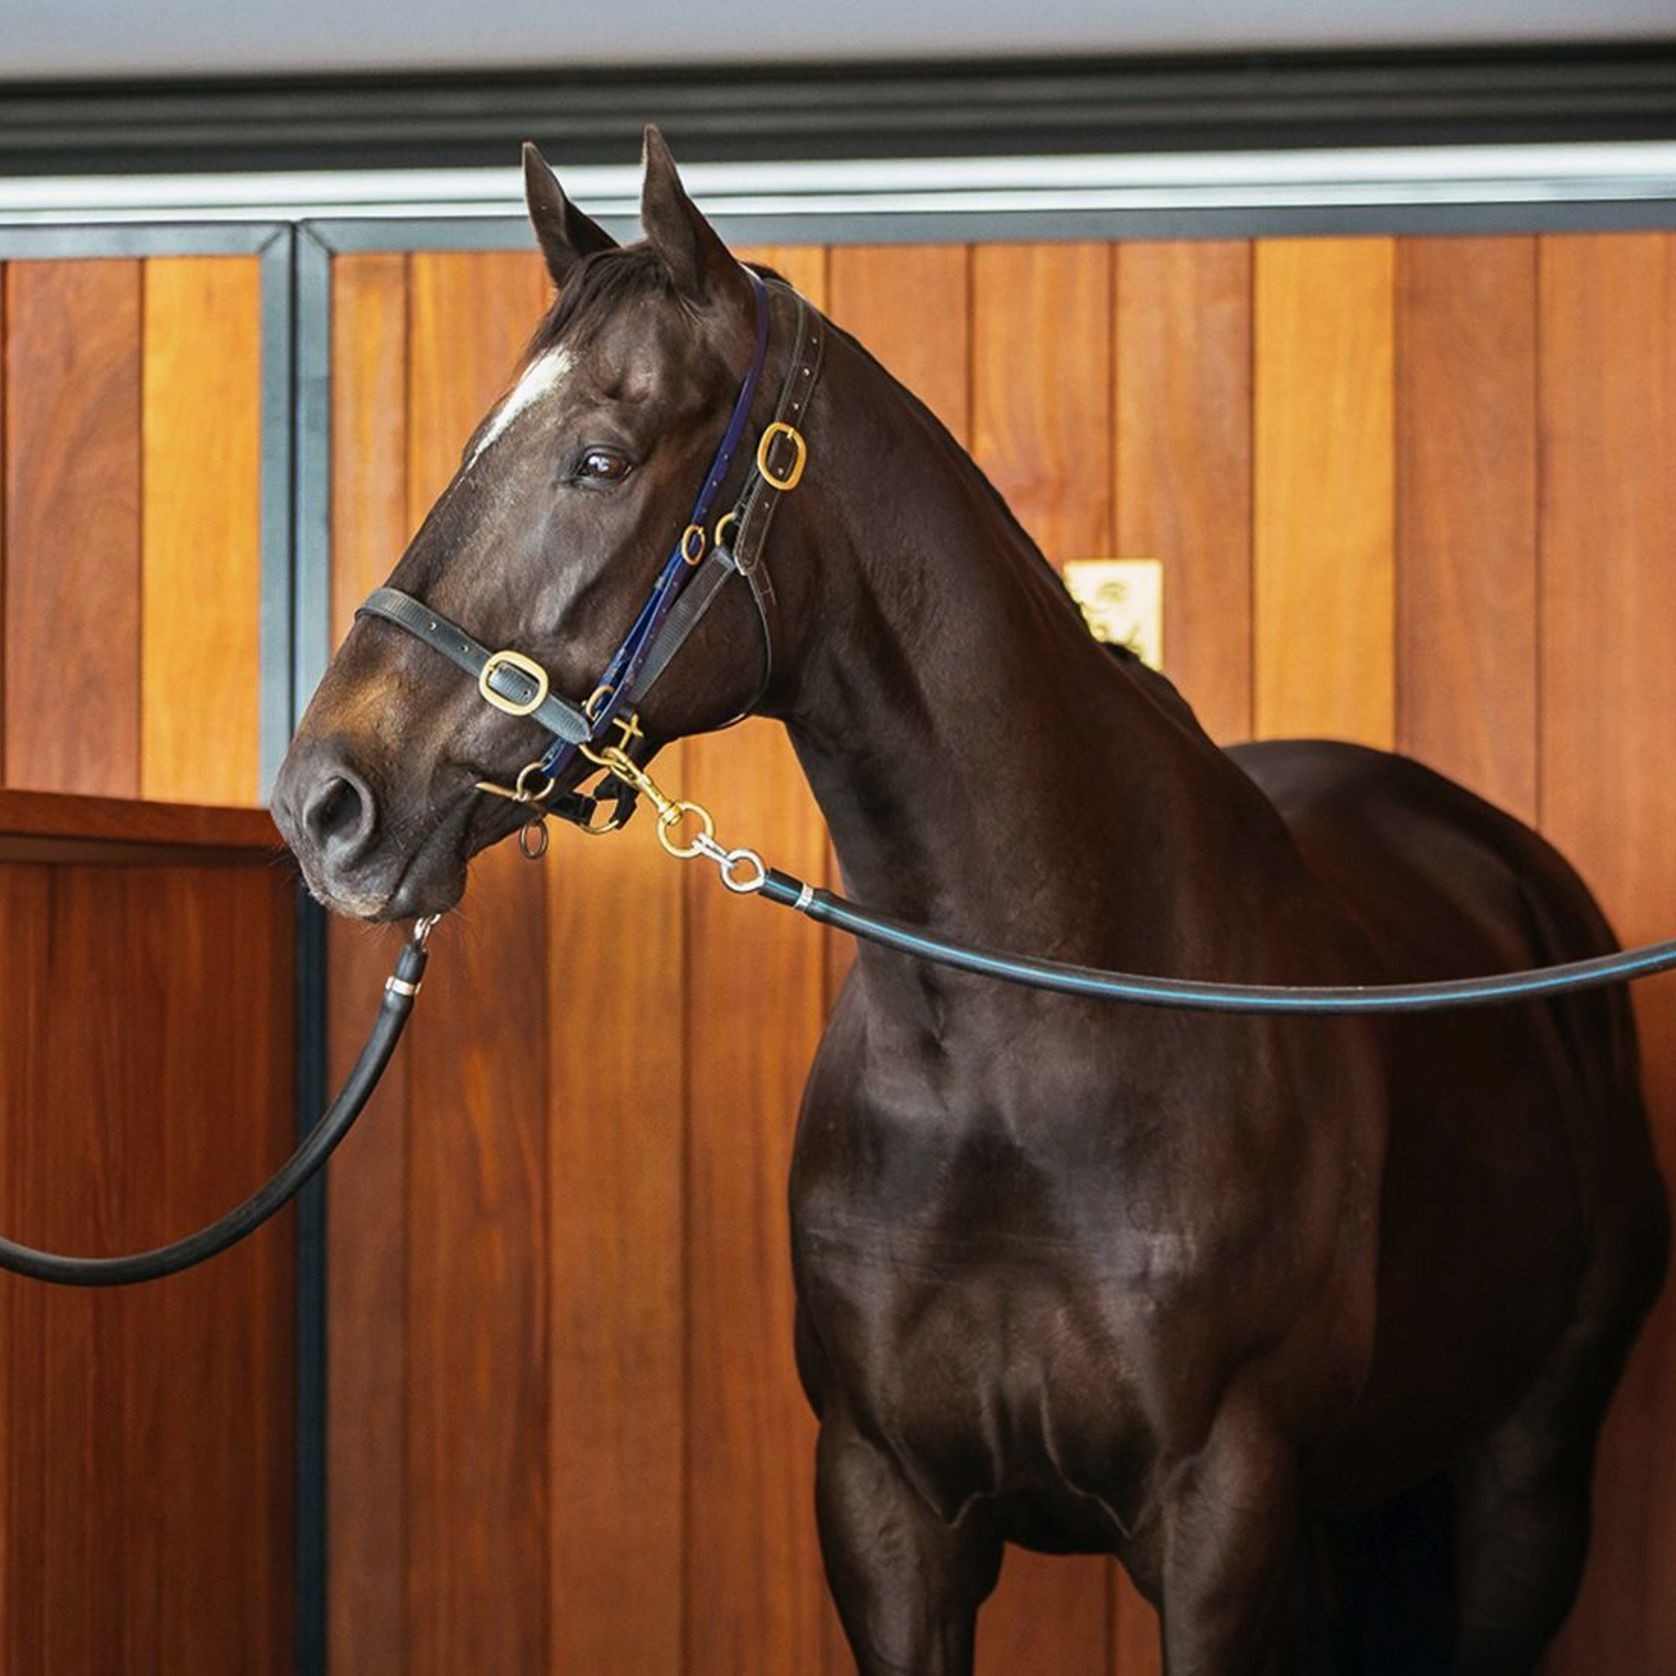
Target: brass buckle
514	660
692	544
790	479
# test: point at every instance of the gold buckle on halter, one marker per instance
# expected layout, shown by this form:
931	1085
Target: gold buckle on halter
513	660
692	544
794	476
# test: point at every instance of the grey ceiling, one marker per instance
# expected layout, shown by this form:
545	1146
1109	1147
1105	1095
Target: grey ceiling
42	38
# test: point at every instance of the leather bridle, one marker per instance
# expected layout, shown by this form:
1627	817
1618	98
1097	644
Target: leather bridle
704	560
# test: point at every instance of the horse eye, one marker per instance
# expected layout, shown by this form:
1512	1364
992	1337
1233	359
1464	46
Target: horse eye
602	466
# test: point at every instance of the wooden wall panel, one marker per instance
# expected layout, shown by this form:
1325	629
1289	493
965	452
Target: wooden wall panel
200	647
367	1205
1608	517
755	1600
1042	389
1042	427
146	1502
1332	445
617	1147
477	1299
1323	508
72	526
1466	512
1183	459
910	305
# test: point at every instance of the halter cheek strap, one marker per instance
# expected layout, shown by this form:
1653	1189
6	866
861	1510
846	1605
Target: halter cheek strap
701	564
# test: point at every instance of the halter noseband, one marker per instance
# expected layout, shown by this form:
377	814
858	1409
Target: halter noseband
701	563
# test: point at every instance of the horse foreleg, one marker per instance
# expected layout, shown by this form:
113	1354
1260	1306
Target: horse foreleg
906	1582
1230	1528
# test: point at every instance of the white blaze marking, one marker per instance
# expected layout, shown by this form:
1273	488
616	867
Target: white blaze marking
543	375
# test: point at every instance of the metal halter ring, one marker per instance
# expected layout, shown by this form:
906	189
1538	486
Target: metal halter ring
692	543
534	848
671	816
529	667
752	880
791	478
723	525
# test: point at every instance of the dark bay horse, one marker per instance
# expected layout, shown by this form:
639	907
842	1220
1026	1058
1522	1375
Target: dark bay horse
1312	1322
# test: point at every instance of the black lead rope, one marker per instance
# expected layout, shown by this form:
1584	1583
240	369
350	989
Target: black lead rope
1536	983
400	988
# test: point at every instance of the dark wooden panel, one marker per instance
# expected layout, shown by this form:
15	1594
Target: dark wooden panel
1466	512
1608	414
133	828
368	1201
756	1000
477	1299
72	538
617	1178
201	579
1042	430
1323	550
1042	389
1183	473
148	1446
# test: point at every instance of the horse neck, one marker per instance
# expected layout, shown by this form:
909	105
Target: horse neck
981	762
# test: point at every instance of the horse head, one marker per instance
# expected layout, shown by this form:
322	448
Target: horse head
567	499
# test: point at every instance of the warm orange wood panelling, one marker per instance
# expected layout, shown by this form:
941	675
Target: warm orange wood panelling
72	526
1183	470
1042	429
477	1301
617	1153
1042	389
755	1603
199	641
1331	446
367	1205
1323	539
1466	512
910	305
145	1511
1608	664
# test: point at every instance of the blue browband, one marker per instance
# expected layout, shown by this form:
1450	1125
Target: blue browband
700	562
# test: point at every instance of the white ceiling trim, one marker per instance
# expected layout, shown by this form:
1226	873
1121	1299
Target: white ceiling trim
1202	180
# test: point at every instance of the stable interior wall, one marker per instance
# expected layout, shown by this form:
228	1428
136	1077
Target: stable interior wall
147	978
1415	492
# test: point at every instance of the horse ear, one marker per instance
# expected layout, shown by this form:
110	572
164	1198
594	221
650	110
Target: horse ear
564	233
703	268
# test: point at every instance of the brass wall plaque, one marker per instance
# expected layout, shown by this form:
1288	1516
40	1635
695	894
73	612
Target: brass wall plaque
1123	600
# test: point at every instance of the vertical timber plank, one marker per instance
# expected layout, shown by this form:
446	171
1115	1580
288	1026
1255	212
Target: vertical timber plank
1042	430
1608	416
1183	471
368	1205
201	566
477	1259
1324	544
756	1000
1466	512
617	1179
72	537
214	1433
1041	389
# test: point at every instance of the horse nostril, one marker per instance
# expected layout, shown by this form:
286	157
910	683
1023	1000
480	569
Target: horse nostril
339	816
